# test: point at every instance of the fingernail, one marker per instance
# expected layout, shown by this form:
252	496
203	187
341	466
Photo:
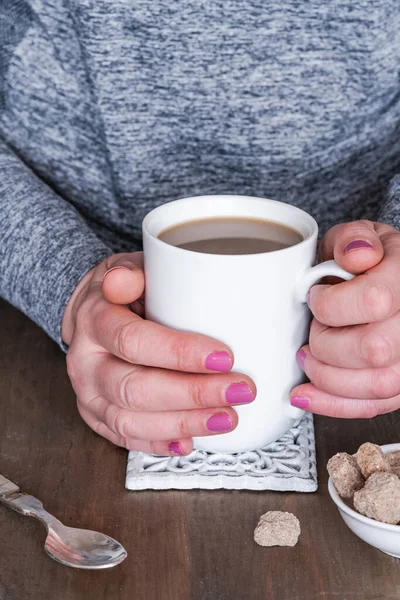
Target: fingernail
219	422
219	361
308	298
300	402
356	244
113	269
301	356
239	393
175	448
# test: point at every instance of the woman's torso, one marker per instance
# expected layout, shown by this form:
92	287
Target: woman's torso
123	105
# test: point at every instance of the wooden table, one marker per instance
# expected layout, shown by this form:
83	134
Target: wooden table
182	545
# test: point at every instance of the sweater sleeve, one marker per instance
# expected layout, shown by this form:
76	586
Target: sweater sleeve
390	210
46	246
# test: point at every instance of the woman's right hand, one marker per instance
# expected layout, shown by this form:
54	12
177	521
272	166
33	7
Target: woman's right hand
139	384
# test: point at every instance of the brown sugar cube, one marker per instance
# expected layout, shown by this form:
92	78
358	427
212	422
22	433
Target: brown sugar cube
277	528
380	498
345	474
370	458
393	460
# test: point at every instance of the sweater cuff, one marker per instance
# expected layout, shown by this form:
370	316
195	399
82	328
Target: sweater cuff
75	268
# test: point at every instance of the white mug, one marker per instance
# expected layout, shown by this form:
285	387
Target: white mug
254	303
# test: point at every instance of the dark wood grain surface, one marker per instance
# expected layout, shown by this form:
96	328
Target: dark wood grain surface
182	545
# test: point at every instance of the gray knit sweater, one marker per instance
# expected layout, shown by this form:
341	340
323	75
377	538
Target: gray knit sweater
109	108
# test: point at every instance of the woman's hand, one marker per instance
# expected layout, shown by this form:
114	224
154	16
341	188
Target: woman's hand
353	355
139	384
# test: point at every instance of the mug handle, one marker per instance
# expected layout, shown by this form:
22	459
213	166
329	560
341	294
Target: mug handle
312	275
308	278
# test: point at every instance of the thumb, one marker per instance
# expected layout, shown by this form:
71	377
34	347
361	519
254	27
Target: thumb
123	281
356	246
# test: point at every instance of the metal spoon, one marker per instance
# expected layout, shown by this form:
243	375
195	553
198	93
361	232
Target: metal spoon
79	548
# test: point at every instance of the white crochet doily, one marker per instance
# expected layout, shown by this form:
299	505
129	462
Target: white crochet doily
286	465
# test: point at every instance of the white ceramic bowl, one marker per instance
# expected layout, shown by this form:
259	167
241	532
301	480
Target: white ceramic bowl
383	536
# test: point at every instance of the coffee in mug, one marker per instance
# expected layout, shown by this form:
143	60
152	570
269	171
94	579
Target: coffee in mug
231	235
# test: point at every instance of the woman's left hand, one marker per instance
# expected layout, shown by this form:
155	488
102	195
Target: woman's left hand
353	355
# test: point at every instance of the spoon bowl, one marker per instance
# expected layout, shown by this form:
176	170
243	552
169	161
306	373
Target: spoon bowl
83	548
77	548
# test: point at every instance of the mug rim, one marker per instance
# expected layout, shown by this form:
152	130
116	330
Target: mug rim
155	239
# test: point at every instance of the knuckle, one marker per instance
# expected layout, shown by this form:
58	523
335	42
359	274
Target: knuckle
376	349
119	424
89	419
379	302
317	379
80	320
314	344
183	427
198	395
154	448
181	351
72	365
76	372
125	338
133	390
386	383
362	224
98	427
316	339
322	306
96	307
125	443
126	387
85	316
356	229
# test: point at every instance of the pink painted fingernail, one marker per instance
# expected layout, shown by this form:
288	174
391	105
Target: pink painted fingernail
219	361
175	448
239	393
301	356
114	269
219	422
356	245
300	402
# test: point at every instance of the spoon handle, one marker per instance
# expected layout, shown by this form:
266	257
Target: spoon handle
7	487
24	504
